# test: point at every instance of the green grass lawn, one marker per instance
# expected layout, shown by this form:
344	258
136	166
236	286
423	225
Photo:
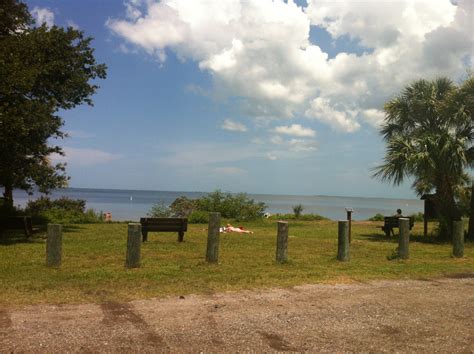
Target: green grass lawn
94	257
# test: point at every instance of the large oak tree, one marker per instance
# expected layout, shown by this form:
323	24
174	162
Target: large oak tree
43	71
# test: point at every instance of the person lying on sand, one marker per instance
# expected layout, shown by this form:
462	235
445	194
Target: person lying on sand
230	228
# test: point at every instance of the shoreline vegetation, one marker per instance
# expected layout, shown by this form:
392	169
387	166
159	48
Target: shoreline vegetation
93	268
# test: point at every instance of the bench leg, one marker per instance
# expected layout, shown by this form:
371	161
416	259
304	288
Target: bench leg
181	236
144	236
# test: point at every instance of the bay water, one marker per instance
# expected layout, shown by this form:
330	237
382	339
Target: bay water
133	204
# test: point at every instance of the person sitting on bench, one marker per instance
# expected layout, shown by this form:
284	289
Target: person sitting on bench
398	214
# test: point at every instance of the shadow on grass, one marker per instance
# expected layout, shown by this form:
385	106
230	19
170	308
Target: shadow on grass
72	228
378	237
12	238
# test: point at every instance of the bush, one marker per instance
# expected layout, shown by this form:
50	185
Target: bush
160	210
418	217
61	211
232	206
198	217
304	217
377	217
297	210
182	207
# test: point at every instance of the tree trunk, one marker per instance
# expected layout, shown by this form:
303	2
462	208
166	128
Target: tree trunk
447	209
8	195
470	233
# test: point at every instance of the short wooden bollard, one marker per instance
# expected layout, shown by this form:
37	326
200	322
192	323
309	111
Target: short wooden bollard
282	242
458	239
134	244
343	241
404	238
54	245
212	252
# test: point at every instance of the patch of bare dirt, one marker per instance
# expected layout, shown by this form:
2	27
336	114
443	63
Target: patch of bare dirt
423	315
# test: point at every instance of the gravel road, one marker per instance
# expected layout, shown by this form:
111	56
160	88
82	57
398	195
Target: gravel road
424	315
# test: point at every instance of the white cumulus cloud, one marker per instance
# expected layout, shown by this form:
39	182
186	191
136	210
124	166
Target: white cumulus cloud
261	51
84	157
295	130
43	15
233	126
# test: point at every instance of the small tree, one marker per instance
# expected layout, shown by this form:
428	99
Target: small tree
43	70
297	210
160	210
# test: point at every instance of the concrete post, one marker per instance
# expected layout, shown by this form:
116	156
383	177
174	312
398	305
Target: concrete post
343	241
404	238
134	244
458	239
282	242
212	252
54	245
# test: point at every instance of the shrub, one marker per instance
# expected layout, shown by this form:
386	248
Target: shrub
62	211
377	217
198	217
160	210
304	217
297	210
182	207
418	216
233	206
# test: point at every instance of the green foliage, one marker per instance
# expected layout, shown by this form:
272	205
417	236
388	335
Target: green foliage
233	206
160	210
303	217
182	207
418	217
297	210
377	217
44	71
198	217
61	211
429	134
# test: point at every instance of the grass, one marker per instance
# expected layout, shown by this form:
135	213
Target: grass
94	257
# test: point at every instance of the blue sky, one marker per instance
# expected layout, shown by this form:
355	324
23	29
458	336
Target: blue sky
251	96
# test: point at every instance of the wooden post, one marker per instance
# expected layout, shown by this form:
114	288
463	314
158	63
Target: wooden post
54	245
458	239
403	237
212	252
282	242
349	218
133	245
343	241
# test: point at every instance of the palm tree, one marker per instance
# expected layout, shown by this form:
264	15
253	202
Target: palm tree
429	134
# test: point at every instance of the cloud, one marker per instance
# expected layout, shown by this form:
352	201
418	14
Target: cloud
84	157
271	157
233	126
260	51
228	171
295	130
43	15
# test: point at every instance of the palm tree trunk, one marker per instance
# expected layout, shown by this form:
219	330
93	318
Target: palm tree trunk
8	195
447	209
470	233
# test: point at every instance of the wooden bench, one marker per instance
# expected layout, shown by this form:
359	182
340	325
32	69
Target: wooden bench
23	223
391	222
179	225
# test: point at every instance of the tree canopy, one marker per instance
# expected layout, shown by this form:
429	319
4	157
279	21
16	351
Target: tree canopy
44	70
429	134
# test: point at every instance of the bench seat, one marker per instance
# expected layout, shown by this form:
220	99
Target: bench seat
179	225
391	222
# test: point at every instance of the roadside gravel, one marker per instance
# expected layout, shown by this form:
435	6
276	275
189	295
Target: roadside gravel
425	315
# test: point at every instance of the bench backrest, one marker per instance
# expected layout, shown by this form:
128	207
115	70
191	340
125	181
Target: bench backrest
164	224
392	221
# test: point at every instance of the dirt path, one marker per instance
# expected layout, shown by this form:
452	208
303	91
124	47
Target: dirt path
431	315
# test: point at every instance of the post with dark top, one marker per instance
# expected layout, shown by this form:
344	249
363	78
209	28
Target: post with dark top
349	218
343	241
282	242
212	252
458	239
54	245
134	244
404	237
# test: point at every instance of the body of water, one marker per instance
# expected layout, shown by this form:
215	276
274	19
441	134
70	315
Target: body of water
133	204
